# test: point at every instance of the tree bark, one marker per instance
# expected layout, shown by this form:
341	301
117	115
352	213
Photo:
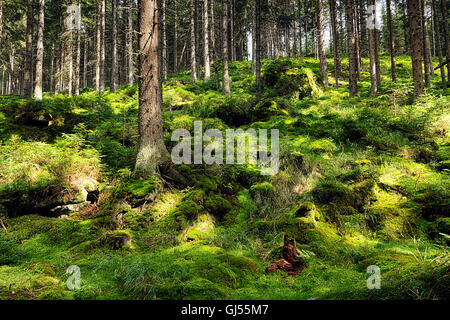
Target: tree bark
372	54
336	50
193	45
206	40
98	43
254	36
151	148
353	76
391	40
130	66
226	77
357	40
438	44
175	37
39	52
320	42
114	46
78	58
446	34
426	48
258	44
102	47
164	42
27	84
416	46
213	45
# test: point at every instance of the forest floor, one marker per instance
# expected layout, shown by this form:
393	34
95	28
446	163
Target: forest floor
363	181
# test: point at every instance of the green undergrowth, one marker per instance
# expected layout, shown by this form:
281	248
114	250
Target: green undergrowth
363	181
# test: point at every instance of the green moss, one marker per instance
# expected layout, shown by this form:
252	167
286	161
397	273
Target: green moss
307	209
217	205
264	190
207	183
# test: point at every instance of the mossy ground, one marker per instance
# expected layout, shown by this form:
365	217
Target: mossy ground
363	181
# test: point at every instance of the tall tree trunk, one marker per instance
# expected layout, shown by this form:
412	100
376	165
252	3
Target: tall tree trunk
254	36
416	45
357	40
213	44
98	43
391	40
377	48
336	50
151	148
39	53
426	48
78	57
372	53
446	34
257	30
206	40
438	43
130	66
193	44
364	39
85	58
320	42
353	76
68	46
164	42
27	84
175	37
294	31
114	84
232	35
102	47
226	77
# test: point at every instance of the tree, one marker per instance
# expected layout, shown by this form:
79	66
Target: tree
336	50
351	45
129	40
39	52
193	44
175	37
428	65
320	42
438	44
391	39
78	57
27	85
151	149
446	34
206	40
164	41
372	53
416	45
257	36
114	45
226	76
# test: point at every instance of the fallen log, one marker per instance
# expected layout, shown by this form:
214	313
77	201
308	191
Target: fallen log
291	263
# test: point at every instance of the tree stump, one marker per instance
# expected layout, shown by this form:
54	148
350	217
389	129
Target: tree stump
291	263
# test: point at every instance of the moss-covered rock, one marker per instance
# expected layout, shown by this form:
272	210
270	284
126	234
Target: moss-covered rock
217	205
262	190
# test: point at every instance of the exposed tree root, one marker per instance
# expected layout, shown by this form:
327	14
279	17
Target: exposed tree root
291	263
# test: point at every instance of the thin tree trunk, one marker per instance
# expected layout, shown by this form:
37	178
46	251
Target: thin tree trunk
446	34
213	44
258	44
337	51
27	84
353	77
226	76
438	43
175	37
78	57
164	42
254	36
85	59
391	40
130	43
193	45
39	53
372	54
102	47
114	46
151	148
320	42
357	41
426	45
416	46
98	43
206	40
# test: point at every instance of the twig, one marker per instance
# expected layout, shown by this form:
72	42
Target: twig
3	226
